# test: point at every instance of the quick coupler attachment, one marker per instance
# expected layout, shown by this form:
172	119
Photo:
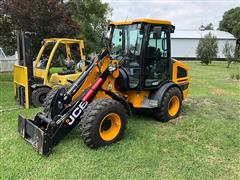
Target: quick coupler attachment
34	132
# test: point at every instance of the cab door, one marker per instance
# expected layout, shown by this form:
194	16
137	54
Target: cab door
157	57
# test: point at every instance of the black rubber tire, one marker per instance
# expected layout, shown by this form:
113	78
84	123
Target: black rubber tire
161	114
50	96
39	95
92	117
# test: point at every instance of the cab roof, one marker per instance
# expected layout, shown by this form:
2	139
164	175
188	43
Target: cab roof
150	21
63	40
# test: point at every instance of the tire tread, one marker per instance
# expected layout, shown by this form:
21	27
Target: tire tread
88	123
161	113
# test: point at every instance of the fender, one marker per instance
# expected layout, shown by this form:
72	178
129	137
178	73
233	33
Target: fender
121	100
159	93
35	86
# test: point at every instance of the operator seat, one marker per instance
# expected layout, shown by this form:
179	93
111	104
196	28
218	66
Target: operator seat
70	68
151	52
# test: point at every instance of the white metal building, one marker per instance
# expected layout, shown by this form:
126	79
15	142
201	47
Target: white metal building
185	42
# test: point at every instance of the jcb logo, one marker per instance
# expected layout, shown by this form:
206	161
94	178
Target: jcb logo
77	112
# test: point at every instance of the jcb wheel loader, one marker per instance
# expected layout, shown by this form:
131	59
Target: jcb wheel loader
33	82
136	72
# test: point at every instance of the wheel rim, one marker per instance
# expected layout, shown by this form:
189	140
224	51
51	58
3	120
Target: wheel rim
173	106
110	126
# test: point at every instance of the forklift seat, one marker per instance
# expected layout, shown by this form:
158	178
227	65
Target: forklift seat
66	71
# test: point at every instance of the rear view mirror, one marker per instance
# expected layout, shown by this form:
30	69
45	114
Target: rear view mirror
172	29
157	32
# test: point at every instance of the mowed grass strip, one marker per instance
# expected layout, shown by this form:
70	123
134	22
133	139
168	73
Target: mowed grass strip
203	142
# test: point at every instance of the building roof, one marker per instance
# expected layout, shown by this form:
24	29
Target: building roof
197	34
151	21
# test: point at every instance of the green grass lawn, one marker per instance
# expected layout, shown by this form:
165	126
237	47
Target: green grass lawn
203	143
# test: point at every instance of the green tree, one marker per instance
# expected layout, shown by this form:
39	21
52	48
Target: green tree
229	53
92	15
231	23
237	50
209	26
47	18
8	41
207	49
237	54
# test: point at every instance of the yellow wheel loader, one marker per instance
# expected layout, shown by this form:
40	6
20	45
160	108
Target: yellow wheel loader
33	82
136	72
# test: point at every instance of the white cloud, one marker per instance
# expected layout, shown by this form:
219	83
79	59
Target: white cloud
184	14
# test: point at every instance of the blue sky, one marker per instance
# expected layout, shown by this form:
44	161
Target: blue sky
184	14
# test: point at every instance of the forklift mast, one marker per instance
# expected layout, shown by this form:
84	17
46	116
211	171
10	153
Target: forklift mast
25	54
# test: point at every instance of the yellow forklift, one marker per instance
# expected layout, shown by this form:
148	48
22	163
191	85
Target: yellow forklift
136	71
32	81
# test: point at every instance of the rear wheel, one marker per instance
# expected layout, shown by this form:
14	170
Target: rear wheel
38	96
170	105
103	123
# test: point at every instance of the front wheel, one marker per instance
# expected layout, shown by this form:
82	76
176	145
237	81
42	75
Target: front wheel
170	105
103	123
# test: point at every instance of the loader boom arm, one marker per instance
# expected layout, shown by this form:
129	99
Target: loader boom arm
44	132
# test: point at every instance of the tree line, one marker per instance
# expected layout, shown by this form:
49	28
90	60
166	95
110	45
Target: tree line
208	48
88	19
83	19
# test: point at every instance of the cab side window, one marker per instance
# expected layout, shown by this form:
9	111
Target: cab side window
156	58
157	47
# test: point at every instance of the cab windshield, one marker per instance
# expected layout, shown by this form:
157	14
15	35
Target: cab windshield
126	41
125	46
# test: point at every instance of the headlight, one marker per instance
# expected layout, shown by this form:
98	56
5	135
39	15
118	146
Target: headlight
112	67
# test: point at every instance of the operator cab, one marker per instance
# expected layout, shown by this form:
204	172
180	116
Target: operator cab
143	50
